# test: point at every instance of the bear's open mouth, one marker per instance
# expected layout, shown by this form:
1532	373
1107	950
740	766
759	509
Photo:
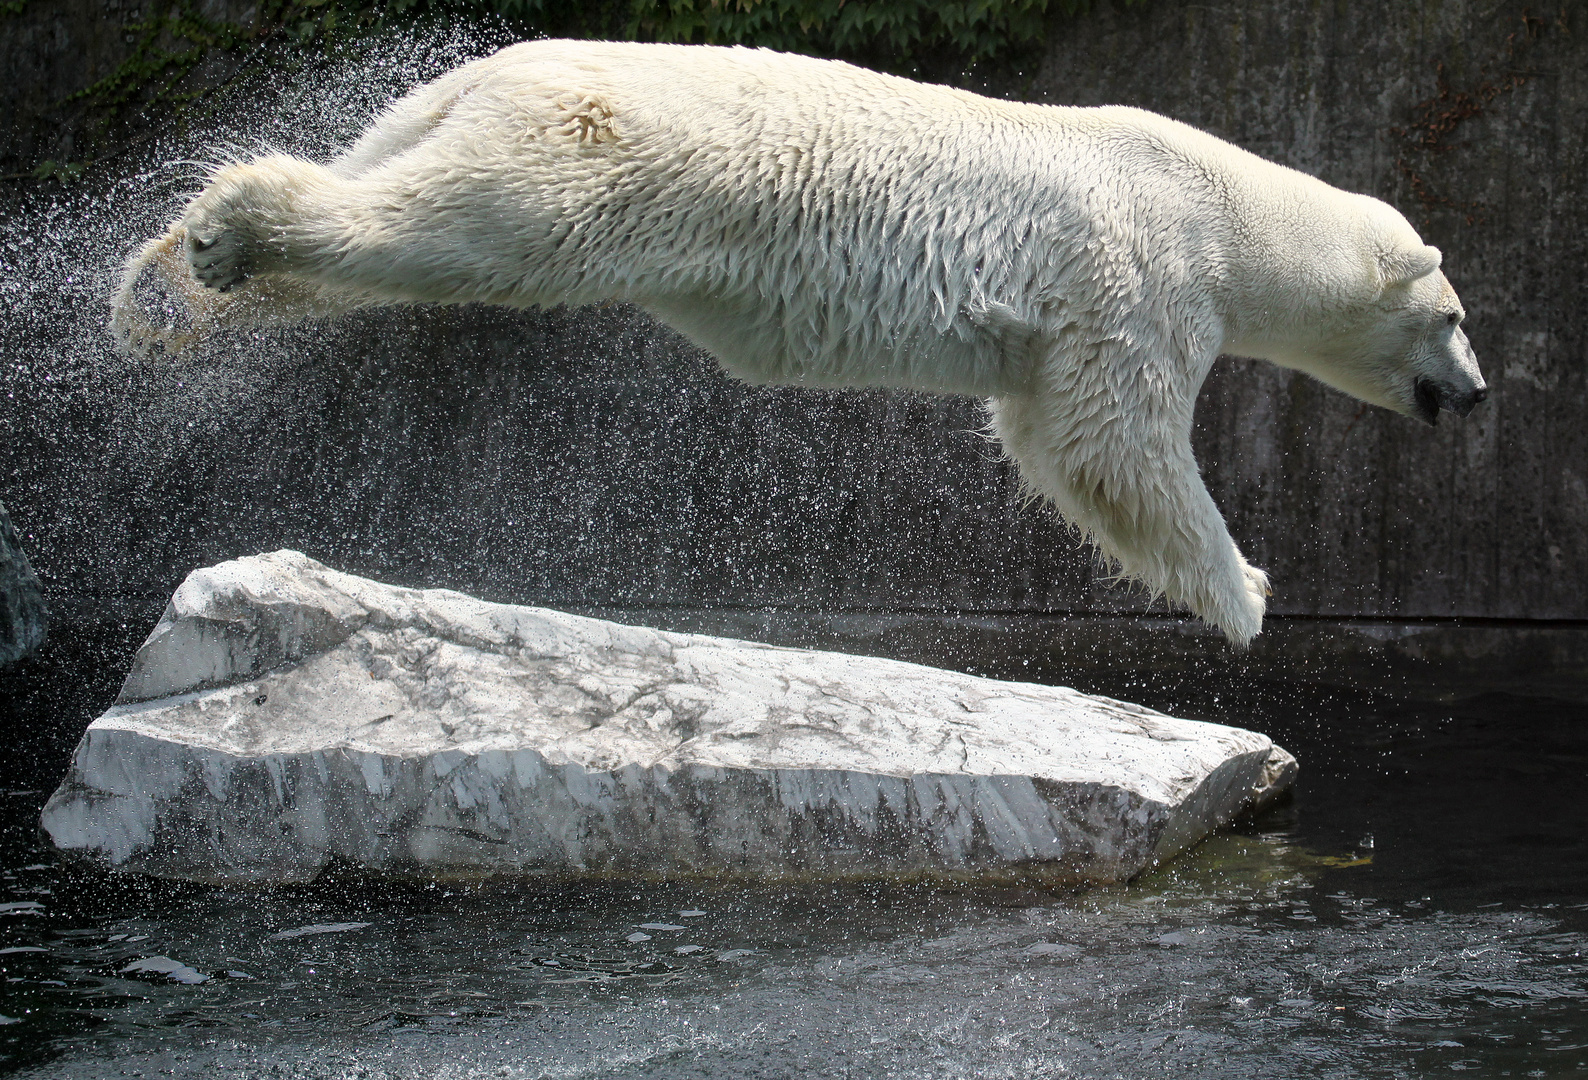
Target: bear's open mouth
1425	400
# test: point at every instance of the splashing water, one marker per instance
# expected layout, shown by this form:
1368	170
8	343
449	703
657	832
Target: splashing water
64	246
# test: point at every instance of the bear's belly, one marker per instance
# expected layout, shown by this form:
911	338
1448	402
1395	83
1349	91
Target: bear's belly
752	343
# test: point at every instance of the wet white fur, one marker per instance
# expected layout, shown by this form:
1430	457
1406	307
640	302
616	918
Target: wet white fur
815	223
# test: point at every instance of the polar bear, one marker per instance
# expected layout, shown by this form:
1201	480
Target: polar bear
815	223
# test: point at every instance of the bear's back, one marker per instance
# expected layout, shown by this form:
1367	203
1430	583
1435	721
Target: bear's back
810	221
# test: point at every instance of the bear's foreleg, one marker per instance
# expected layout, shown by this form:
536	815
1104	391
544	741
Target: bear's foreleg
1128	480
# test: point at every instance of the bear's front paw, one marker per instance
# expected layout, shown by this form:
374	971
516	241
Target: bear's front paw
1234	600
1245	621
155	309
218	258
1257	589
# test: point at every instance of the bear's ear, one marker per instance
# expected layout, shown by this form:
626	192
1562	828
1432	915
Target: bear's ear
1405	266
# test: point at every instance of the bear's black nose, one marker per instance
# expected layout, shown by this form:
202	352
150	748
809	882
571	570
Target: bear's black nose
1462	404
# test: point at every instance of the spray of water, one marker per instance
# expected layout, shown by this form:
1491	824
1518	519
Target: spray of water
127	421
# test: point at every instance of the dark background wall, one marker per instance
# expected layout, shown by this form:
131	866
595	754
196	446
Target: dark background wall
592	459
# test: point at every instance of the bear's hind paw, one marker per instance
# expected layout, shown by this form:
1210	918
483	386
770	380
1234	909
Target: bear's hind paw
218	260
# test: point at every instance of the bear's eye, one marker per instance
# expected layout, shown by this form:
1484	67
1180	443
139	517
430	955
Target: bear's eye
1452	318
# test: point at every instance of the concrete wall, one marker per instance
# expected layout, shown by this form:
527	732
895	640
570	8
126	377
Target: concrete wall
594	459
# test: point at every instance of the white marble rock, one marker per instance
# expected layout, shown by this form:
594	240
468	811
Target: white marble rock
283	718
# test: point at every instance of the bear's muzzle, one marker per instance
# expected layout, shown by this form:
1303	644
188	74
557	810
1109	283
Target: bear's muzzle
1429	397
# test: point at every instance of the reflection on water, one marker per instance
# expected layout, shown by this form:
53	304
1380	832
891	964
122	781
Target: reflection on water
1421	908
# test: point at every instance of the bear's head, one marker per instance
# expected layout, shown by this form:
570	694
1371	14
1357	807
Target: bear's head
1373	315
1407	350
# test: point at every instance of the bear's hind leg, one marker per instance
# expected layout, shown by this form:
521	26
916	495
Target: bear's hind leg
257	217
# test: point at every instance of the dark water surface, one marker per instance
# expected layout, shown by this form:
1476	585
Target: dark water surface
1420	909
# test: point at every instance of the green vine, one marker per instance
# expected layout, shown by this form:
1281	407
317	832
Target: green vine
890	33
154	69
167	45
1437	119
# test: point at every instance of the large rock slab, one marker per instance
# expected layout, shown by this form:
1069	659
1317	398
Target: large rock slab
283	718
22	612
